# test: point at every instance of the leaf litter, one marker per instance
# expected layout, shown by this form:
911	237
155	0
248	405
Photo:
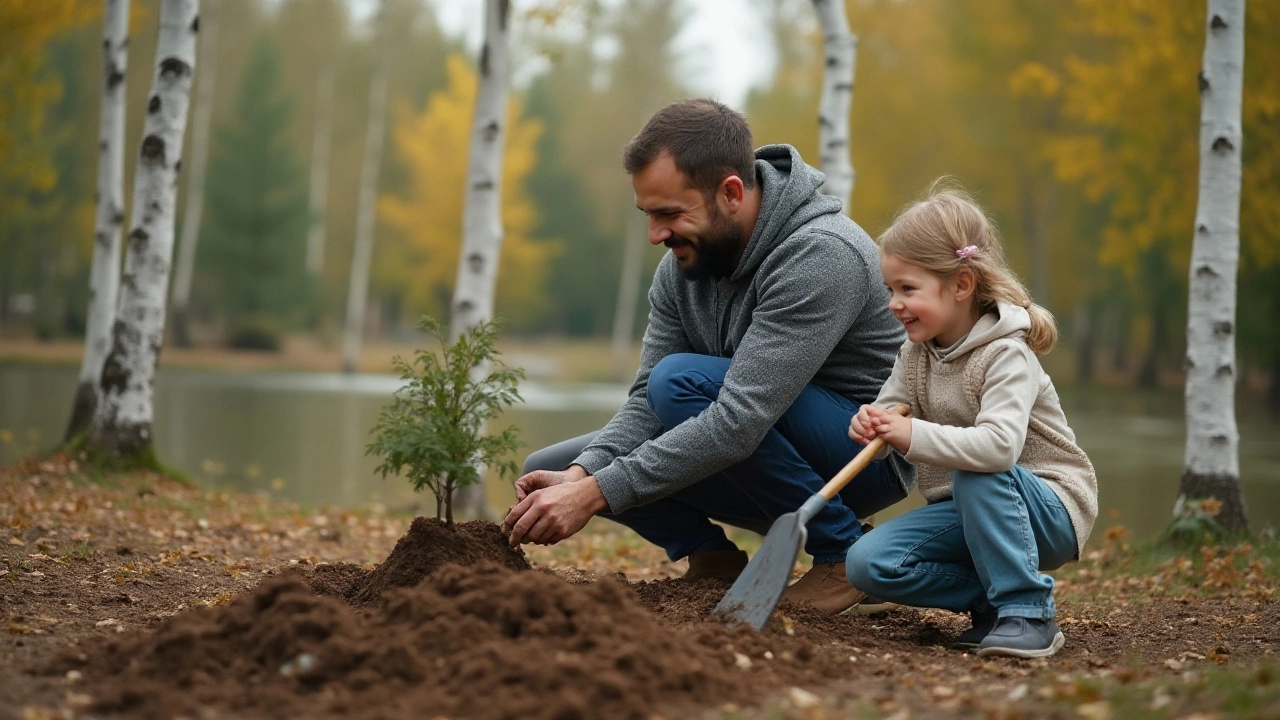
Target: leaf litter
160	600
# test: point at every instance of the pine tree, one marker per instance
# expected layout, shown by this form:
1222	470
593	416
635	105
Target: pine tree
254	246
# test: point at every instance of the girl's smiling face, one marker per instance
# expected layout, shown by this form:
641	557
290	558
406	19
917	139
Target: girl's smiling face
929	307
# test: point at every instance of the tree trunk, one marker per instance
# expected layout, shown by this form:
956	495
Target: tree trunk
624	316
482	209
837	98
366	212
104	275
122	424
1211	468
191	216
320	143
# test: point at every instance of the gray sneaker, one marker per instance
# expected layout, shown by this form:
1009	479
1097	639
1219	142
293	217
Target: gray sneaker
1022	638
982	626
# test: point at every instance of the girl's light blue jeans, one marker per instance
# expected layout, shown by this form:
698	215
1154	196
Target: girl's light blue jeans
807	445
980	551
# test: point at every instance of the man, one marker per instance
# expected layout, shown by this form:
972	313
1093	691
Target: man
769	328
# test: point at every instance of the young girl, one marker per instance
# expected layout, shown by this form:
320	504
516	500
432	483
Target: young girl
1009	492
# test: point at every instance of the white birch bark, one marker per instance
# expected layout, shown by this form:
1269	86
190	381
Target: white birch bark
193	214
366	211
122	424
104	274
320	142
1212	464
482	208
837	99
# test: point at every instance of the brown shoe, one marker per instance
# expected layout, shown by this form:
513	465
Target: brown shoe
716	564
826	588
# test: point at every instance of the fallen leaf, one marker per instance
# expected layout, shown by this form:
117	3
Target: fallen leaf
17	541
803	699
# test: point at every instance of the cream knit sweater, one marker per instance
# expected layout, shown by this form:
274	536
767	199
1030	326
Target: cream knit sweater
986	406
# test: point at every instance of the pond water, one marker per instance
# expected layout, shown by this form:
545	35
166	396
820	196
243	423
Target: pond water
302	436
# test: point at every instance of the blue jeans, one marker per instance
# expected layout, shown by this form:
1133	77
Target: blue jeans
981	551
808	444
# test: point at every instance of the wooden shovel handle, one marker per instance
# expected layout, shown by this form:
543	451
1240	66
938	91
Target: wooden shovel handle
859	461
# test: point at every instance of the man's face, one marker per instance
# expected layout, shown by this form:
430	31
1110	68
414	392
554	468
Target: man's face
705	241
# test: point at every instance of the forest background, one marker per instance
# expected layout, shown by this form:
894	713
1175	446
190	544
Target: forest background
1075	123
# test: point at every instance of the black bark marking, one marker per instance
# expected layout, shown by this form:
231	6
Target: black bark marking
114	375
845	86
1204	82
118	218
1222	144
1223	327
195	24
483	185
484	60
836	144
153	106
114	77
102	146
475	261
177	167
175	67
1217	23
465	306
1204	271
504	14
491	131
138	240
832	61
1225	371
153	149
1202	229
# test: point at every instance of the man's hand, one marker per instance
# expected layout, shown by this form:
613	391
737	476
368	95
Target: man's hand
539	479
549	514
892	427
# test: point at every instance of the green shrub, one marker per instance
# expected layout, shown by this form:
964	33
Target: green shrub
433	430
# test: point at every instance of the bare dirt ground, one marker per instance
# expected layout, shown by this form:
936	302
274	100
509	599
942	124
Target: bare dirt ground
138	597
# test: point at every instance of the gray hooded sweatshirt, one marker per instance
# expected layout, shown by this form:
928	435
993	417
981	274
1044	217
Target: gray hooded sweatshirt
806	304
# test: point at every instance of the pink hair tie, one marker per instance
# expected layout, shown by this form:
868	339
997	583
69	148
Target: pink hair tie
967	252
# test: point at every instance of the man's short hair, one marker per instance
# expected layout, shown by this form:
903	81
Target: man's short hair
707	140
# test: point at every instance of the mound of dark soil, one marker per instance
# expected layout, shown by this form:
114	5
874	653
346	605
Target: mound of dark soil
476	642
430	544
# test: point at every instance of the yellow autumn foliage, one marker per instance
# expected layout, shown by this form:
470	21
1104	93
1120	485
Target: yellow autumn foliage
420	260
26	26
1137	109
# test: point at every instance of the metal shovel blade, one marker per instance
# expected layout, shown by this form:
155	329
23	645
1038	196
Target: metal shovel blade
758	589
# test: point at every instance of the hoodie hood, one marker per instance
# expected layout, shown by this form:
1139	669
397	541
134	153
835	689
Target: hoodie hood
1008	320
787	202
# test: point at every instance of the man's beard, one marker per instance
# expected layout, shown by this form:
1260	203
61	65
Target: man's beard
716	253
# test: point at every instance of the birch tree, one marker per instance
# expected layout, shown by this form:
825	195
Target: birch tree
482	205
1211	468
837	98
194	209
122	424
362	259
104	273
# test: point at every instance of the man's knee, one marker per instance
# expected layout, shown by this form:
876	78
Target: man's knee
559	456
667	376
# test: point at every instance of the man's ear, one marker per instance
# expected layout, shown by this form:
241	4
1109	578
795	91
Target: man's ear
733	192
966	283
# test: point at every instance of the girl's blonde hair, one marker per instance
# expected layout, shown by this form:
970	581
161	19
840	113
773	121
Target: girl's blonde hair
932	234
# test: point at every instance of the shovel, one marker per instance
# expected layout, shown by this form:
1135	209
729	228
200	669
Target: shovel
758	589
